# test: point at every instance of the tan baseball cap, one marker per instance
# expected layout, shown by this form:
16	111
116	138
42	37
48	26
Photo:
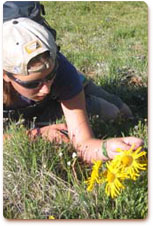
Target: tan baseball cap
24	39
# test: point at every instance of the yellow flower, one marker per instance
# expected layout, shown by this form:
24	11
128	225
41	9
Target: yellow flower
130	161
51	217
94	178
113	178
126	165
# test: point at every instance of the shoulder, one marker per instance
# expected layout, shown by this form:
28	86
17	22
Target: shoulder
65	65
67	82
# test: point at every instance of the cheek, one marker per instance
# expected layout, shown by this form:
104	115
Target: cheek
33	94
24	92
47	85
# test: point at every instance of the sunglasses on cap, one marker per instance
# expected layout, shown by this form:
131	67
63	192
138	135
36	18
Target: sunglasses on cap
36	83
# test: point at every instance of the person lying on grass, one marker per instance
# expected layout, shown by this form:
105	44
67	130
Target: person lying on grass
41	85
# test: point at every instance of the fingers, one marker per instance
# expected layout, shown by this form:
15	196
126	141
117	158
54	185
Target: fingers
122	143
112	152
133	140
52	134
33	133
63	138
61	126
58	137
124	146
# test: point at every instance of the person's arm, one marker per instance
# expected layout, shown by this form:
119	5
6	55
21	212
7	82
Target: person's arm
82	137
54	132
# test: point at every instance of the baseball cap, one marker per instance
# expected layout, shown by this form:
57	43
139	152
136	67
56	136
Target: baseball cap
24	39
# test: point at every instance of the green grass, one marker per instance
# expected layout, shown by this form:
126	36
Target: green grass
108	42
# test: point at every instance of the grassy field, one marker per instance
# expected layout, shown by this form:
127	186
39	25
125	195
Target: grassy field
108	42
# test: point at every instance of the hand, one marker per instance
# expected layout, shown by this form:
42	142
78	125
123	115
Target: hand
51	133
124	143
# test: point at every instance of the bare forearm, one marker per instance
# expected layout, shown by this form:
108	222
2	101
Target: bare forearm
90	150
95	149
81	135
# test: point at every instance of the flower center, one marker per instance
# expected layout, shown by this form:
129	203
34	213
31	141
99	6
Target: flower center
127	160
110	177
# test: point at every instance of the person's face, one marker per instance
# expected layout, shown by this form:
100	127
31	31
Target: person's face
38	93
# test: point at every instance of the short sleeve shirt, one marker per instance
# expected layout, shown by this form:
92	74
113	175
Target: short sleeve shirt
67	82
66	85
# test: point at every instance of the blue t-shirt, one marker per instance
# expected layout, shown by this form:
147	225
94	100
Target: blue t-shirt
67	84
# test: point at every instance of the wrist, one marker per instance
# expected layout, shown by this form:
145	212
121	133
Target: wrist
104	149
